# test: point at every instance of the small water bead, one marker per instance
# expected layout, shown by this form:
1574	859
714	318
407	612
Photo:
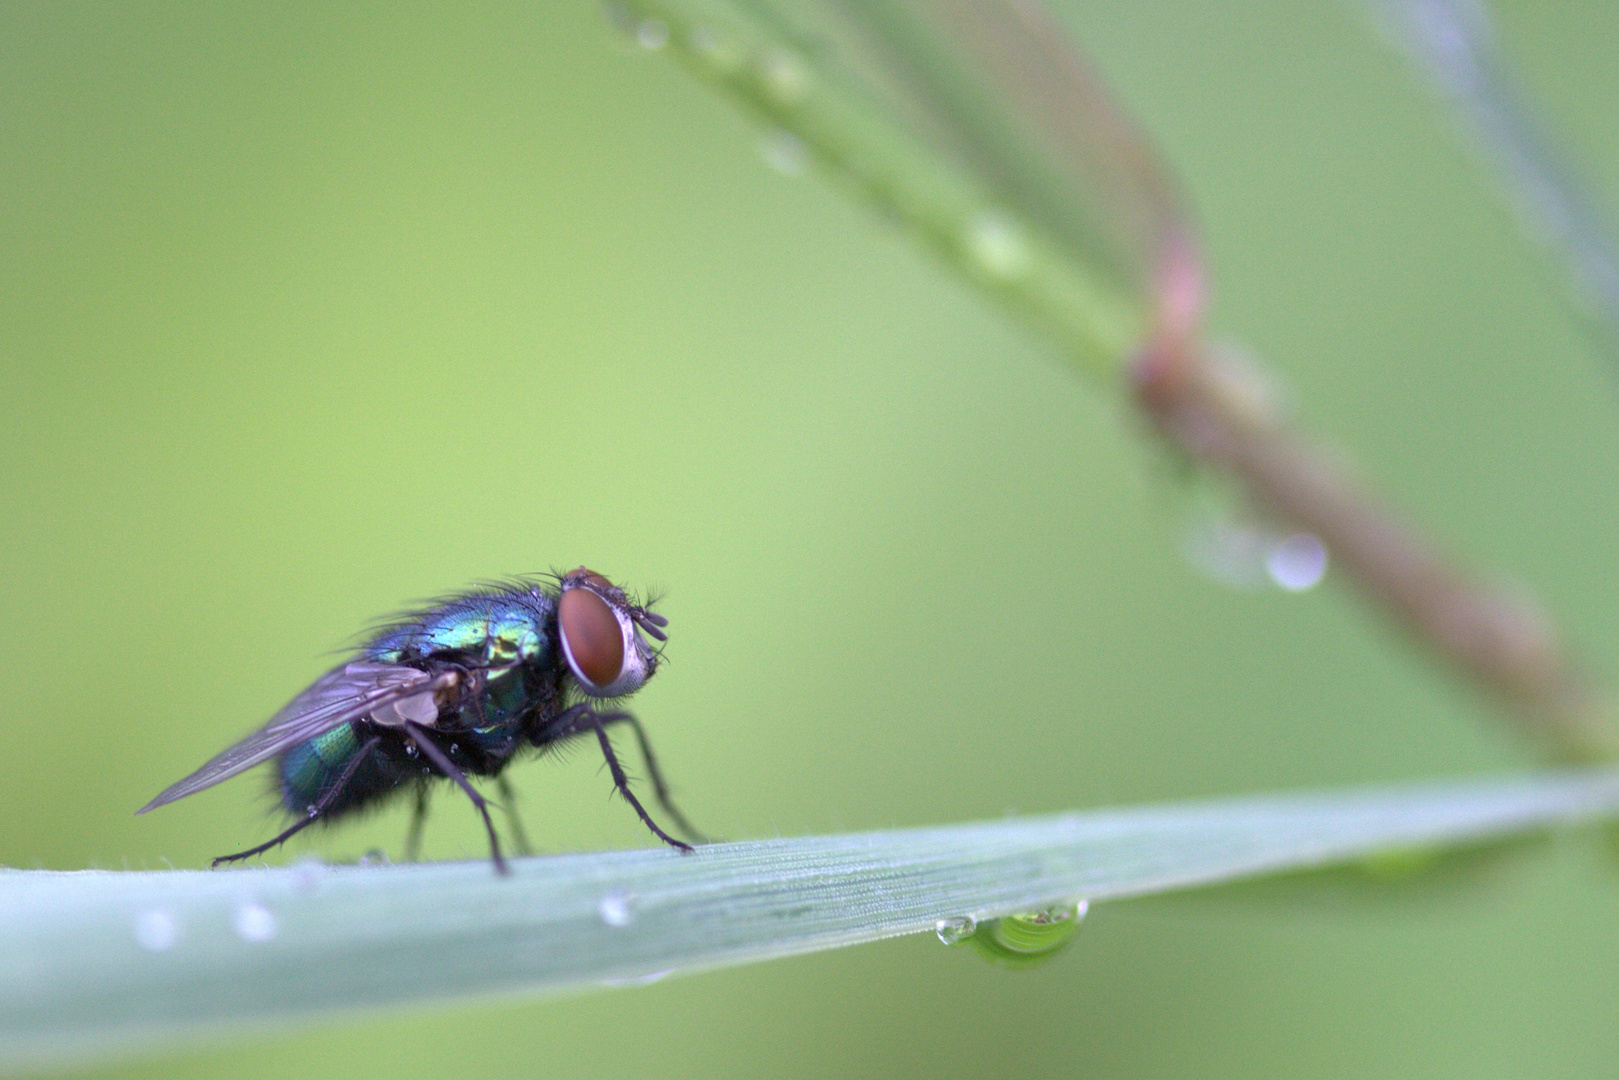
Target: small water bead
374	857
1226	549
255	922
1297	563
955	931
652	34
615	911
716	48
997	243
649	33
156	930
636	980
787	77
307	874
784	152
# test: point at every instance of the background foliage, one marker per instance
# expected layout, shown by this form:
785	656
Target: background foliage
309	314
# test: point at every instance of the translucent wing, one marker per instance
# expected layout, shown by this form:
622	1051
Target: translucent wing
342	694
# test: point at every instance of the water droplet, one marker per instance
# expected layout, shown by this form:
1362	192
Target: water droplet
636	980
255	922
652	34
1297	562
375	857
955	931
156	930
410	750
1031	937
1225	549
784	152
455	748
787	78
614	910
649	33
307	874
998	245
716	48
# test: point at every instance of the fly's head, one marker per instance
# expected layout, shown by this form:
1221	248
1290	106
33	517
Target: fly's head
601	632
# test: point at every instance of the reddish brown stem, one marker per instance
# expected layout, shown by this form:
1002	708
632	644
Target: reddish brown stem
1498	637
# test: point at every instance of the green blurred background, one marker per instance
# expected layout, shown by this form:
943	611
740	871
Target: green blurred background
306	314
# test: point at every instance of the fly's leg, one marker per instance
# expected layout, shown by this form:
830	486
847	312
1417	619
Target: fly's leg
581	718
418	817
325	800
430	750
598	722
622	782
508	803
655	774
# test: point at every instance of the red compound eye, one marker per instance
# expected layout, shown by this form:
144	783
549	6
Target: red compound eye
592	637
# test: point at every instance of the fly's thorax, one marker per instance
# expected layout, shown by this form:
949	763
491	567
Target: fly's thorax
485	630
600	630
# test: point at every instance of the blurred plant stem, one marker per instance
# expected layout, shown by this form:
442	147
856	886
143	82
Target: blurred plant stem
978	127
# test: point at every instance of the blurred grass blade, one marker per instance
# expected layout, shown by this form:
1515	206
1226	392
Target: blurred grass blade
100	963
973	122
1452	43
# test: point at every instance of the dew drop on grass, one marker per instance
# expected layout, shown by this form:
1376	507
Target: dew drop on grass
787	78
1029	938
1297	563
614	909
652	34
784	152
254	922
955	931
647	33
156	930
996	242
635	980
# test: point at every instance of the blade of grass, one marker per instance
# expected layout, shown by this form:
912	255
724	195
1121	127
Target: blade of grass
1453	44
100	963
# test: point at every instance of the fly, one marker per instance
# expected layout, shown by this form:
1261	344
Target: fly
453	691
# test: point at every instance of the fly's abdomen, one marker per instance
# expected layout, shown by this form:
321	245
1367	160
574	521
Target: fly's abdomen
308	771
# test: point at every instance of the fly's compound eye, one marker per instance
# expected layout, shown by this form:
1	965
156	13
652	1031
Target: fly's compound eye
599	640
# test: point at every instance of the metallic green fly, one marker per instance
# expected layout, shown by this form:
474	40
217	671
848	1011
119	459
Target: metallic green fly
454	691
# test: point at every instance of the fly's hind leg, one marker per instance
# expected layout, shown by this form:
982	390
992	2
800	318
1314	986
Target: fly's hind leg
326	799
508	803
418	817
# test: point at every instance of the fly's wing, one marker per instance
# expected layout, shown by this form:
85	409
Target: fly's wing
343	694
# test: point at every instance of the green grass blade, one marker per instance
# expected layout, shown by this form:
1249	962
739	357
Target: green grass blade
1063	228
100	963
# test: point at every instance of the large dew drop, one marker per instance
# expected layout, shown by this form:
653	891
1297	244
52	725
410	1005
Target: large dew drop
1029	938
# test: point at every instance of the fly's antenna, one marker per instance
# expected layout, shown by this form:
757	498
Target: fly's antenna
651	623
